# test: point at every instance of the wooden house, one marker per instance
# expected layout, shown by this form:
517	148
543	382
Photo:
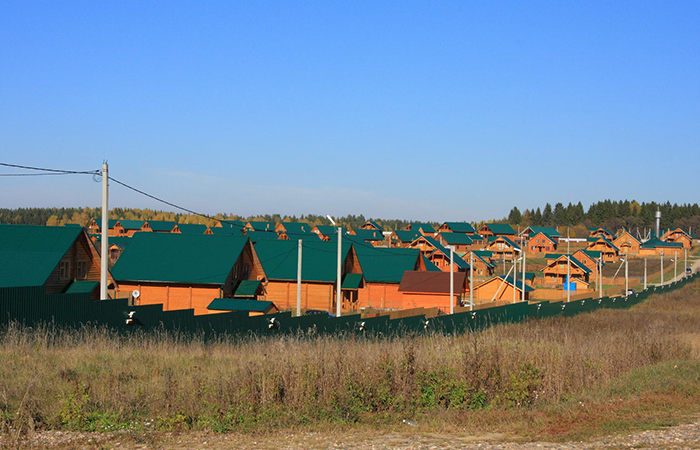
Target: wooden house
497	229
457	227
542	243
372	225
372	237
500	288
679	235
590	259
318	274
461	242
158	226
382	270
439	255
95	226
430	289
126	227
259	226
601	232
627	243
556	270
293	228
325	232
422	228
191	228
403	239
502	248
233	227
483	266
608	249
531	231
59	259
657	247
185	271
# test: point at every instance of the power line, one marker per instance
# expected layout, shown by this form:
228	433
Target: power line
42	169
36	174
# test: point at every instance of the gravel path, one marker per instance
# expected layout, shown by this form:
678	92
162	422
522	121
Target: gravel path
678	437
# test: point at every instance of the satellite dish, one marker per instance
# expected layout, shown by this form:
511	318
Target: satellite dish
136	293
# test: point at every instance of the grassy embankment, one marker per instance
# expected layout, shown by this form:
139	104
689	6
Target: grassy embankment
604	372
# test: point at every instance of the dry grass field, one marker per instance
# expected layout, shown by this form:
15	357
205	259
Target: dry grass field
567	378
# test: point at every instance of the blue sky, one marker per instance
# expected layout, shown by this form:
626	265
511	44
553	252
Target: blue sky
415	110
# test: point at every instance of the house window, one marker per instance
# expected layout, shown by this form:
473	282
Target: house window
64	270
82	269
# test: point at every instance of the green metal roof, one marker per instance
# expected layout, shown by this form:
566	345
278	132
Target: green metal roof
593	254
318	261
477	255
549	231
386	265
483	253
192	228
227	231
552	255
351	281
303	236
430	266
30	253
369	235
237	304
82	287
327	229
375	225
233	224
179	258
500	228
574	261
654	243
460	227
427	228
257	236
407	236
247	288
131	224
457	238
262	226
459	262
297	227
161	225
603	229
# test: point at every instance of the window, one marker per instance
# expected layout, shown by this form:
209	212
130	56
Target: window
82	269
64	270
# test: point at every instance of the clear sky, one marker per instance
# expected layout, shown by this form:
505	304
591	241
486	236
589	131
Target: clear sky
414	110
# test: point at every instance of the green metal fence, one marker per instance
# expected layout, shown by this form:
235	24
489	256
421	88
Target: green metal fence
31	306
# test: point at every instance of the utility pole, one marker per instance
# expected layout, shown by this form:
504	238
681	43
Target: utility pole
685	268
471	280
340	266
645	274
627	275
662	267
452	280
600	275
523	286
675	265
299	281
568	266
104	244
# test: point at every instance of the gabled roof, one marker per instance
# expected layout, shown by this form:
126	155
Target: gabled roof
431	282
257	236
549	231
480	256
505	238
500	228
247	288
374	224
655	243
120	241
226	231
553	255
192	228
238	304
179	258
30	253
459	262
131	224
456	238
594	240
351	281
407	236
593	254
303	236
368	235
627	233
460	227
319	259
295	227
386	265
551	238
593	229
262	226
234	224
430	266
327	230
82	287
483	253
427	228
573	260
161	225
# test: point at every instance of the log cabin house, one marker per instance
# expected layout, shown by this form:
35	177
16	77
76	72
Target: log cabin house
184	271
502	248
555	272
439	255
601	232
60	259
531	231
403	239
422	228
500	288
680	235
541	243
158	226
191	228
497	229
430	289
483	266
372	237
657	247
457	227
601	244
293	228
627	243
259	226
318	274
590	259
372	225
325	232
126	227
461	242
